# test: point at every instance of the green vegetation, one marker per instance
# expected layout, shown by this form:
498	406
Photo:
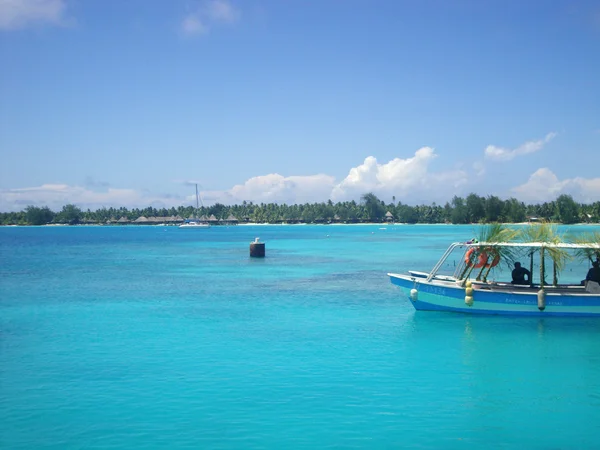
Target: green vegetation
37	216
587	254
546	232
374	207
490	255
487	249
496	232
473	209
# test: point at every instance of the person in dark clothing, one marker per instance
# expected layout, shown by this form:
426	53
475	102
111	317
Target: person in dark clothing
518	275
594	273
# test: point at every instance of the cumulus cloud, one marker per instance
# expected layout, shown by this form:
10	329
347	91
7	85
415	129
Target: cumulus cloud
411	180
207	15
15	14
408	179
544	186
55	196
275	188
505	154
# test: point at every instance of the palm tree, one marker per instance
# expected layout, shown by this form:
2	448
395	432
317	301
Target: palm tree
588	253
495	233
373	207
546	233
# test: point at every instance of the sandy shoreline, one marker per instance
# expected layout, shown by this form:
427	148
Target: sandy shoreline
369	224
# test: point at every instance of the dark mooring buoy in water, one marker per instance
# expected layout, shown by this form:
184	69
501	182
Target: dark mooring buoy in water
257	249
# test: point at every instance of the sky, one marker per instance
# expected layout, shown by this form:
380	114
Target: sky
131	103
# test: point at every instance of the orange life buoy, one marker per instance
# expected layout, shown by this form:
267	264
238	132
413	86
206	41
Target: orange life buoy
494	262
468	256
481	259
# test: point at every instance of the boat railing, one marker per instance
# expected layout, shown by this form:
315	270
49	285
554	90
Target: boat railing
523	245
443	259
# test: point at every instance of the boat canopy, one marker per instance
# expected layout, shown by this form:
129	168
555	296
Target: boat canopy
528	245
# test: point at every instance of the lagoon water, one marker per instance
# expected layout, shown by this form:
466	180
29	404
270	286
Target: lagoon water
159	337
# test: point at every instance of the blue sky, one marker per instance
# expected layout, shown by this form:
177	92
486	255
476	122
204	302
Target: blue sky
117	103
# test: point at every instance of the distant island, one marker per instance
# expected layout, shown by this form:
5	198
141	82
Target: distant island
370	209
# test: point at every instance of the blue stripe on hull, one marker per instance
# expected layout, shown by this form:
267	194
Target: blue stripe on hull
424	306
449	297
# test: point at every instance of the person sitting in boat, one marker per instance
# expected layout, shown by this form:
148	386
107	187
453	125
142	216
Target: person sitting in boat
518	275
594	273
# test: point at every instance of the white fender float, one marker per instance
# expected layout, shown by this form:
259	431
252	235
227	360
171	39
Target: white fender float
541	298
469	294
414	295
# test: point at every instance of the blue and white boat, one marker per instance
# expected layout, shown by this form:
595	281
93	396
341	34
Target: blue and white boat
469	291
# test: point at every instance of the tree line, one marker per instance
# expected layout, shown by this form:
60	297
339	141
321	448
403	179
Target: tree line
472	209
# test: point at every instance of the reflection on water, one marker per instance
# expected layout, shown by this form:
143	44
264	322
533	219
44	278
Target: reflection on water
468	330
541	327
527	375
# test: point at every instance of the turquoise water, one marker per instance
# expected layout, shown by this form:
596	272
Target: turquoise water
159	337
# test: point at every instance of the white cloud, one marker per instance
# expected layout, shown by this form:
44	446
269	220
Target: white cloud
544	186
55	196
407	179
208	14
222	11
16	14
504	154
191	25
410	180
479	168
275	188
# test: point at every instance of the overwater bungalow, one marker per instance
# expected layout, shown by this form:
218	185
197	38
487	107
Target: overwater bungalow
231	220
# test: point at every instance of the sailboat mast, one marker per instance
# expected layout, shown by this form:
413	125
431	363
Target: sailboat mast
197	206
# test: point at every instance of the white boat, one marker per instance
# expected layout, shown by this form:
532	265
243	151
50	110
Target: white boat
469	291
195	223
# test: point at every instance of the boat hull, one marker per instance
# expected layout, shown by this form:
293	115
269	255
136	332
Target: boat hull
438	295
194	225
